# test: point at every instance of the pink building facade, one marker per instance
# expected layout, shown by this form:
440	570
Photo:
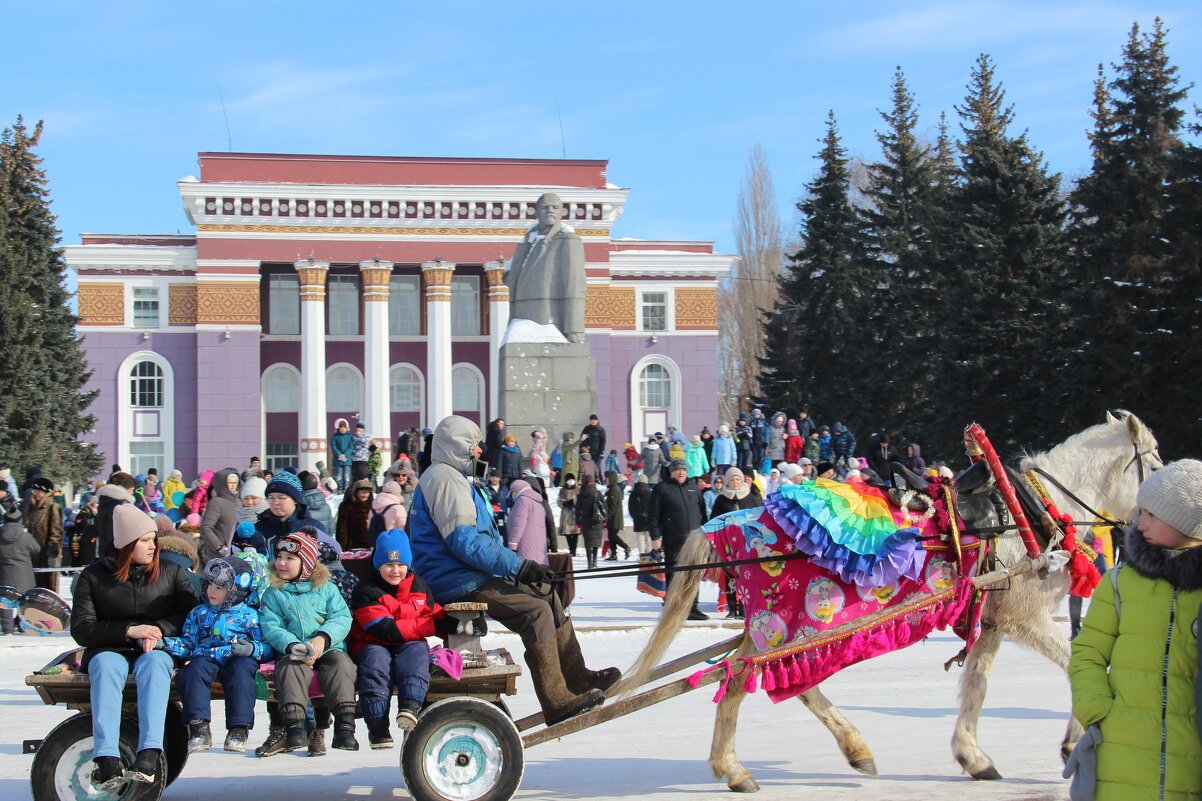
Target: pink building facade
323	287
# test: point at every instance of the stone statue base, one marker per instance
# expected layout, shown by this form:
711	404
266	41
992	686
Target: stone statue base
549	385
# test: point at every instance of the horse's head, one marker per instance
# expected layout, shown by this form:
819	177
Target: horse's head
1104	464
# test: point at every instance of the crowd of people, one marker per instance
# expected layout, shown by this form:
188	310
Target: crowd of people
241	567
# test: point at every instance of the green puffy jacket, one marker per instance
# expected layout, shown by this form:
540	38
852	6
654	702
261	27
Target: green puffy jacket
296	611
1134	670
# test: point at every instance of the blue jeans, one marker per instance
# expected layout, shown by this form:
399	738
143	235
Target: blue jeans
342	474
108	671
380	668
237	677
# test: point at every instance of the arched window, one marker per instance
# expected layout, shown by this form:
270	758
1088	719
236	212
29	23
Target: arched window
655	395
465	389
344	389
655	387
146	385
404	389
146	413
281	389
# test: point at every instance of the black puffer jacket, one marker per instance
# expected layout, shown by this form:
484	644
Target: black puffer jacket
104	607
640	505
725	503
676	509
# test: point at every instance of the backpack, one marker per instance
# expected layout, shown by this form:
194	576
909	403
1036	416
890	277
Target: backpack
600	513
375	527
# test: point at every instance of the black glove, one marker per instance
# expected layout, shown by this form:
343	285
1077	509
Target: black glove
532	573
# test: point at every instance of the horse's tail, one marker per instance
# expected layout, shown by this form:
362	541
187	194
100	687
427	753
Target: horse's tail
683	589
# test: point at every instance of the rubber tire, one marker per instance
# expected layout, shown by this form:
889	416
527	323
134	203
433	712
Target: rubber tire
71	731
504	707
465	711
175	742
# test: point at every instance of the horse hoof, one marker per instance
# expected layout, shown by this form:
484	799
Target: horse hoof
748	785
865	766
988	774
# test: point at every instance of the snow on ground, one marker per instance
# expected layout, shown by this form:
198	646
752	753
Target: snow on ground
904	703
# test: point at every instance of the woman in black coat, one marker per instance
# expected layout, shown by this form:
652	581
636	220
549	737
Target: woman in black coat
588	521
615	519
639	506
737	493
124	606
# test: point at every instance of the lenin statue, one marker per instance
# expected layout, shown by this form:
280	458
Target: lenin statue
546	276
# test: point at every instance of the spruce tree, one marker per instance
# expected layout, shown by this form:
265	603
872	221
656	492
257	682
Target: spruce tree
42	369
1131	223
817	334
1003	291
902	223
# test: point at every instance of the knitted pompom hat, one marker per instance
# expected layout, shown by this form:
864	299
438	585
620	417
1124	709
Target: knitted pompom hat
303	547
1174	494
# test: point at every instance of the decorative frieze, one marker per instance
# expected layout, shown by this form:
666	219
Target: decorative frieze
378	230
101	304
182	304
696	308
609	307
227	303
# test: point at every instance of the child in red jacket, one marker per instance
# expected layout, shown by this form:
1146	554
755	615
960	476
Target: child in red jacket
393	614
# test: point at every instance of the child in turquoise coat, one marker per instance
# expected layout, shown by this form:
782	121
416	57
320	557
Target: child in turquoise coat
305	618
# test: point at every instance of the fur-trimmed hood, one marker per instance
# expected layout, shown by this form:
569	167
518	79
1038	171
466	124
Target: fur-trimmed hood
1181	567
181	546
116	492
319	576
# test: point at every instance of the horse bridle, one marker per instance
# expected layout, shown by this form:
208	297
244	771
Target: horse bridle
1137	460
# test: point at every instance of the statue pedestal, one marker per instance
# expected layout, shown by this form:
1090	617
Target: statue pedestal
548	385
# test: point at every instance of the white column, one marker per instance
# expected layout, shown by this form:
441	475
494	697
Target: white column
376	359
313	362
437	275
498	321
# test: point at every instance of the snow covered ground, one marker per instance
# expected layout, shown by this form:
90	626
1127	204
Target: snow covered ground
904	703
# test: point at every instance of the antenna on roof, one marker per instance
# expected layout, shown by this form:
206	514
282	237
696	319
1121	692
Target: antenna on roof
563	143
229	138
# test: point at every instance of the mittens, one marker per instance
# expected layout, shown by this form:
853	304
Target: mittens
300	651
244	648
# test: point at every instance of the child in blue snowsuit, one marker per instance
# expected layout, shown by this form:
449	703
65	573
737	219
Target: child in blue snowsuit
221	640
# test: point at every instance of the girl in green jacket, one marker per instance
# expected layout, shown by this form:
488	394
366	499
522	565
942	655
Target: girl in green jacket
1135	662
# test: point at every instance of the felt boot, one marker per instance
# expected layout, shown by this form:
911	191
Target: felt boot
575	673
557	701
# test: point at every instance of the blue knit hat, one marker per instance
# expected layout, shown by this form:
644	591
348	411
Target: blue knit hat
286	483
392	546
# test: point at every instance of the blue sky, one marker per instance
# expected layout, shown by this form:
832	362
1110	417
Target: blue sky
673	94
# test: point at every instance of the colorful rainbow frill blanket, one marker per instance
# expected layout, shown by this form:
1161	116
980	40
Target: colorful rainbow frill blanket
849	530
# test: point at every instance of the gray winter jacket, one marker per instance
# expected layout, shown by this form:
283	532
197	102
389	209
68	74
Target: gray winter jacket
17	550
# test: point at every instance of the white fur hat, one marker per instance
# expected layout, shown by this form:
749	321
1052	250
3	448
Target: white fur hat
255	487
1174	494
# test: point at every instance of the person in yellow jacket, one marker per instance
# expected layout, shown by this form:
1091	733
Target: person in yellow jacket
171	486
1135	662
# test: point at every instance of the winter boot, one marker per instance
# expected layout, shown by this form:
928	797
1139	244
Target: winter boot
199	736
235	739
613	555
295	737
592	557
696	614
378	736
406	716
575	673
572	539
108	774
274	744
317	742
145	767
293	718
344	730
557	702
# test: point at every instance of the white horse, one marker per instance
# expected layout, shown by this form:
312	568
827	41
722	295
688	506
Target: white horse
1102	465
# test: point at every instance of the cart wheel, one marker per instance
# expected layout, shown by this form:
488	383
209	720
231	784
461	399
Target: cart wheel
504	707
463	749
175	742
62	766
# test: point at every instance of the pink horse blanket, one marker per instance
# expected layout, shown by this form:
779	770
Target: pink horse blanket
851	554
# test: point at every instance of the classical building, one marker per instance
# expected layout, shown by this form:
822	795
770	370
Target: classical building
365	288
